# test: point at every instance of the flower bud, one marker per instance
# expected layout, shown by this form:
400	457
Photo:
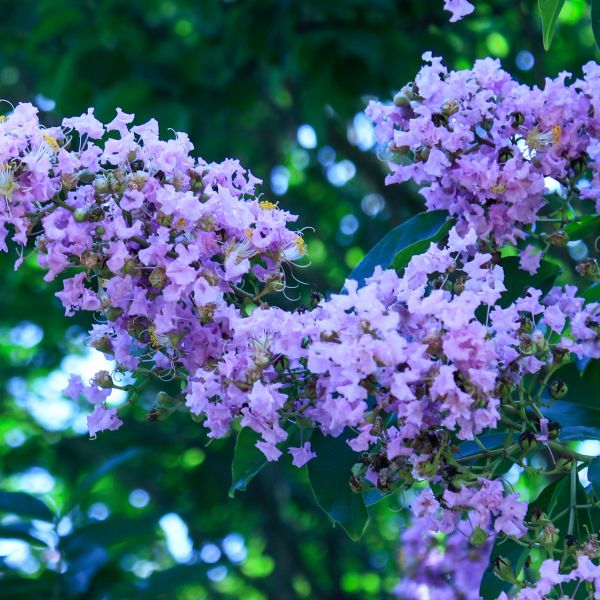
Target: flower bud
101	186
505	155
517	119
80	215
103	344
559	238
549	536
450	107
86	176
400	99
478	536
527	441
103	380
158	277
588	268
88	259
113	313
558	389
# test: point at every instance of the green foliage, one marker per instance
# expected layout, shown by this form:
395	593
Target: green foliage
329	476
517	282
549	11
240	77
404	241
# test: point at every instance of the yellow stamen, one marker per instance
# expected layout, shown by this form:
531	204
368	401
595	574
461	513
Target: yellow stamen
266	205
52	143
556	133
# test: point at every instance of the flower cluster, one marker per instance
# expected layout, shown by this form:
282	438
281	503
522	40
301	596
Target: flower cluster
177	256
153	239
487	148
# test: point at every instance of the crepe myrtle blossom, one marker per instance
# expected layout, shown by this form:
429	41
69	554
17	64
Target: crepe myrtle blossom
177	258
458	8
484	146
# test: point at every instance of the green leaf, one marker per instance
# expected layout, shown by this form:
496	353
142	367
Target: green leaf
592	294
405	240
24	505
89	481
19	531
549	11
329	475
517	281
584	227
596	21
247	462
491	586
594	475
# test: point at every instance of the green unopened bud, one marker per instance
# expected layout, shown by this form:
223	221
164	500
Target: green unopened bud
559	238
559	355
450	107
517	119
104	380
440	120
80	215
103	344
549	536
130	267
100	230
160	413
422	154
101	185
88	259
538	517
158	277
164	220
526	325
527	441
400	99
94	214
558	389
86	176
527	346
589	268
487	124
113	313
505	155
163	399
478	536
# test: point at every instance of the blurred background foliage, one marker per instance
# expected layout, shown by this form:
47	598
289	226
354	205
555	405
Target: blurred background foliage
144	512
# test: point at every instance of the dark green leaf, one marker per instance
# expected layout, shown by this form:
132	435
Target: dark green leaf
517	281
592	294
19	531
402	242
491	586
24	505
584	227
549	11
596	20
89	481
329	475
112	532
248	460
594	475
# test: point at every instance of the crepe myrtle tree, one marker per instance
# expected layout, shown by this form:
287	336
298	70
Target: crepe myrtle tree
449	359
